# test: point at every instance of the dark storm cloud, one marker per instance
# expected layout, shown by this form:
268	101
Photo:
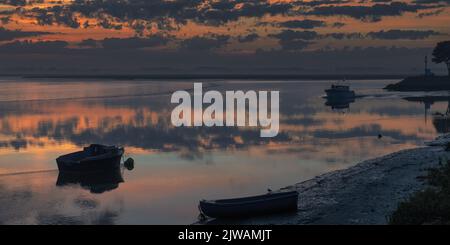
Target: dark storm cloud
303	24
204	43
368	13
248	38
402	34
8	35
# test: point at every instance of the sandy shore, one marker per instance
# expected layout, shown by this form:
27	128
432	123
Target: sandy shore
363	194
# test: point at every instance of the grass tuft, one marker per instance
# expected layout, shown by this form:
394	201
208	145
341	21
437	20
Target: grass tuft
431	206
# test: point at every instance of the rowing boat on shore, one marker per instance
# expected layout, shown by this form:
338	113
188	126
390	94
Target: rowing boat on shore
250	206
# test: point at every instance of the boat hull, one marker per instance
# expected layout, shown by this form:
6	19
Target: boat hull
252	206
333	94
107	163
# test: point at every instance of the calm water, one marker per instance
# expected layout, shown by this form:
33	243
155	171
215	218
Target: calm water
176	167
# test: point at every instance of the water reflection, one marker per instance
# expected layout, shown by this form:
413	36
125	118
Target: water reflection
440	119
341	105
96	183
179	166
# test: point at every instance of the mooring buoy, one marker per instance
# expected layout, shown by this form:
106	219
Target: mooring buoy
129	164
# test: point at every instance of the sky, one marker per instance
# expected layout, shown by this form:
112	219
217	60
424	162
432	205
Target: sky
219	36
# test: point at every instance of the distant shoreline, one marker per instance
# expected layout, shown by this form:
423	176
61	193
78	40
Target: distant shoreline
421	83
209	76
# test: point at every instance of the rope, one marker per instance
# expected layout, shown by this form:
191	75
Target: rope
28	172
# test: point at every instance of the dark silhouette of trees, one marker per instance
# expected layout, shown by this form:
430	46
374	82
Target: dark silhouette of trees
441	54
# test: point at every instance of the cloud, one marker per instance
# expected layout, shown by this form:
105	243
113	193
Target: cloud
343	35
338	24
134	42
126	43
294	44
381	1
108	24
303	24
431	13
248	38
56	15
5	20
322	2
289	35
368	13
14	2
293	35
402	34
298	40
433	1
204	43
33	47
161	12
88	43
295	40
8	35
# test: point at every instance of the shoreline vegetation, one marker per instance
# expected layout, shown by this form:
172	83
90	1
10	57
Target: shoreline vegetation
430	206
421	83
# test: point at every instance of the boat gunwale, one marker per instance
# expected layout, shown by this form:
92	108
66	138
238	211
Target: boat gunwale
251	200
83	157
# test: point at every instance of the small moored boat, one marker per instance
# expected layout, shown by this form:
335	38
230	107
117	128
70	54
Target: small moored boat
94	158
250	206
339	91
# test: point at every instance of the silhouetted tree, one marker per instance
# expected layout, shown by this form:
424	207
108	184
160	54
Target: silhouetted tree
441	53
